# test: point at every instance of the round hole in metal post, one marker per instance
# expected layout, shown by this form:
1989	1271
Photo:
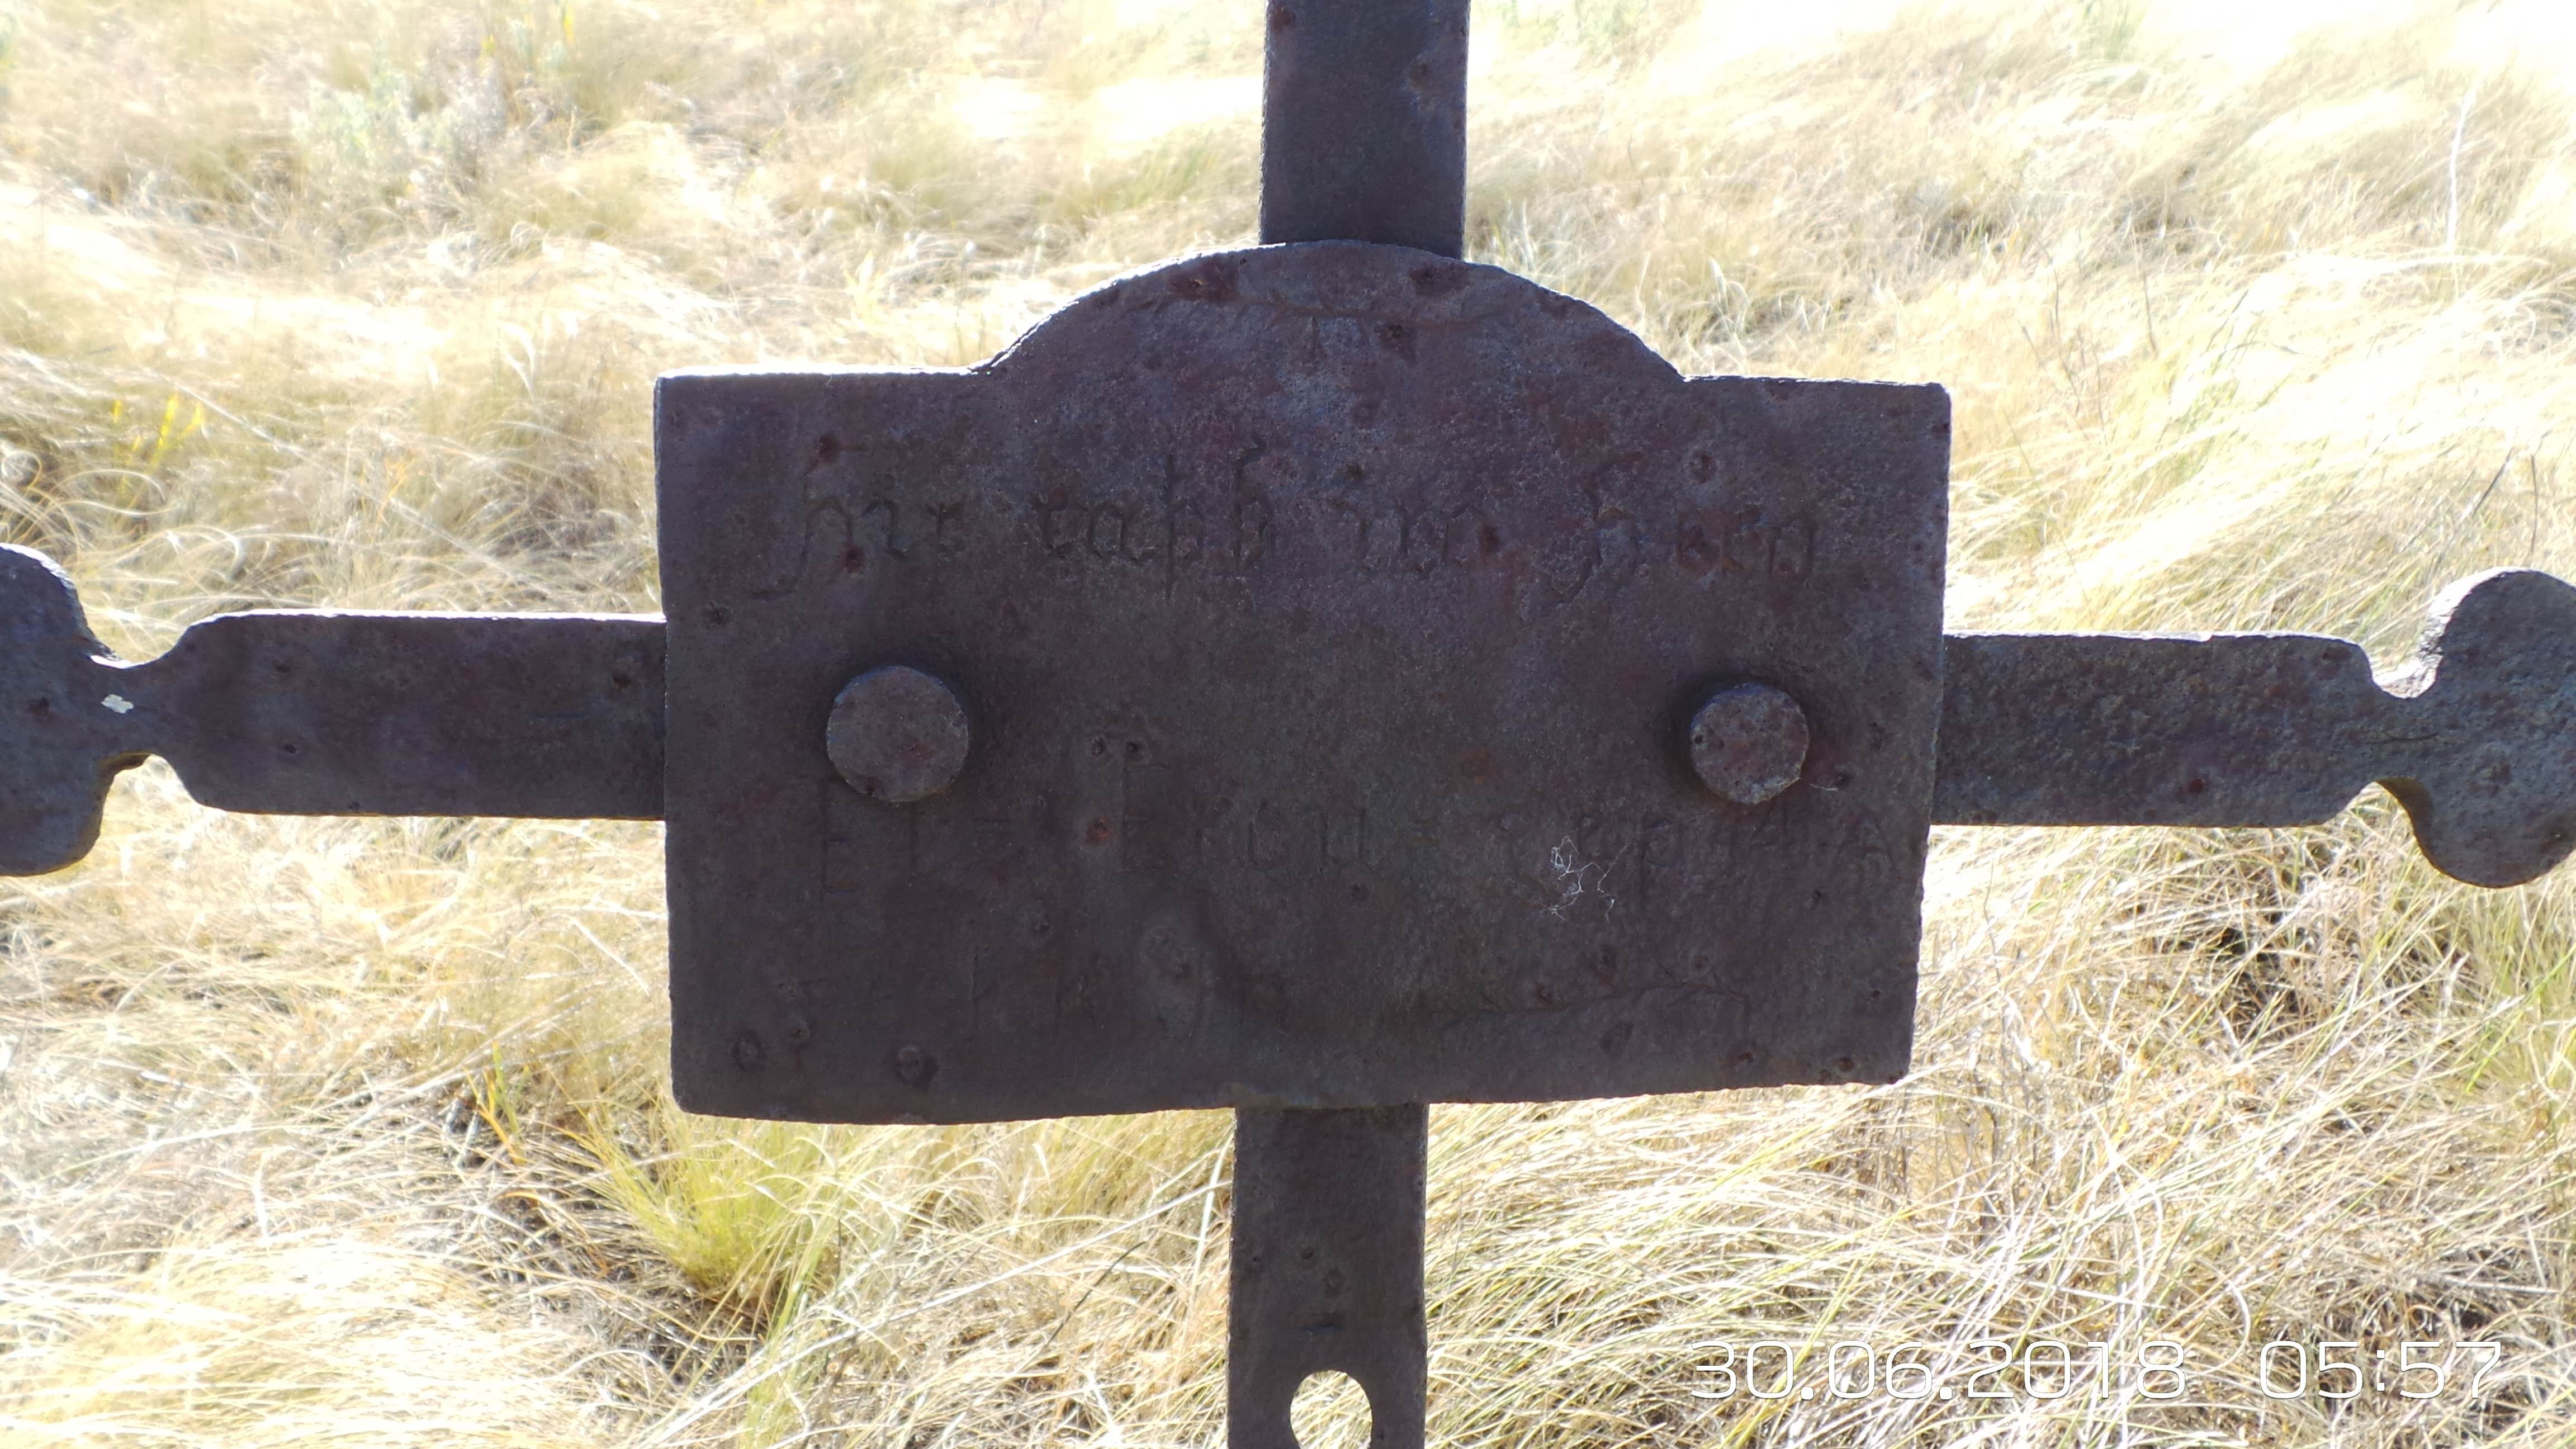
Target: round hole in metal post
1331	1411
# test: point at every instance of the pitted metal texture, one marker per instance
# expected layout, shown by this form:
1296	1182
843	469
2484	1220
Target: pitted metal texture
2475	736
561	716
1330	617
320	713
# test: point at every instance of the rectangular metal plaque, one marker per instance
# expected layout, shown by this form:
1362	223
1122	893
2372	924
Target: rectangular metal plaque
1327	617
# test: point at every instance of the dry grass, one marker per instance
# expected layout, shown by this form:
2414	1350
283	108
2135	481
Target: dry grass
337	1132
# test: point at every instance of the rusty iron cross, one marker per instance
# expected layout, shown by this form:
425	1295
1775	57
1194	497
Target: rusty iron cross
1319	680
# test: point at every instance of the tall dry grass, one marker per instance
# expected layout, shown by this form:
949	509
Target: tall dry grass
344	1132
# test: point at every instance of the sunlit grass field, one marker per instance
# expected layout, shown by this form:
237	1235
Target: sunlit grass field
337	1132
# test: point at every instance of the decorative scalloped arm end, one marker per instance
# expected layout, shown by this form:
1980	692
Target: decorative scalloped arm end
322	713
2493	797
561	716
63	728
2476	737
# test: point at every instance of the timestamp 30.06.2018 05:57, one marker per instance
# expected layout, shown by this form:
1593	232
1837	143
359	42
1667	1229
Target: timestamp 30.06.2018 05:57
2155	1369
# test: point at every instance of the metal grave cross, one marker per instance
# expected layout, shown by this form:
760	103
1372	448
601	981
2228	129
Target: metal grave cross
1317	680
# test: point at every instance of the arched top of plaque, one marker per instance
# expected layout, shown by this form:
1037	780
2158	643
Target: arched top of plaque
1329	619
1350	299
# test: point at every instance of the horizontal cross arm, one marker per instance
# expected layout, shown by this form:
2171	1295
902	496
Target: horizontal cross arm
2476	736
317	713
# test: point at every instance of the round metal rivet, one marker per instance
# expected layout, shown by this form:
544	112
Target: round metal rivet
897	735
1748	743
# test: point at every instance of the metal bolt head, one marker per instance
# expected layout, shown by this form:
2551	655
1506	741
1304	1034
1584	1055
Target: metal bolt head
1748	743
897	735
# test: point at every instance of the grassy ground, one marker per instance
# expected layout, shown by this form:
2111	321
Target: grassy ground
342	1132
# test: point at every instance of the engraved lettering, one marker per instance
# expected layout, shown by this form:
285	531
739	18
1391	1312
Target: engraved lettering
1178	527
1694	550
1059	523
1174	971
1386	544
1522	854
1659	853
1461	539
948	529
1209	830
1619	546
1266	839
1574	570
1793	549
1421	837
1233	529
1152	804
1184	533
1608	550
892	512
1866	844
1252	513
1082	993
1603	841
1251	529
1143	544
834	544
1345	835
1181	525
1745	540
1425	536
855	840
1107	534
1360	530
831	540
1422	539
1741	543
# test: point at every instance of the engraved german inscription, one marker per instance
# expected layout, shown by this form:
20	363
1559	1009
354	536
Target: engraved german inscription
1331	643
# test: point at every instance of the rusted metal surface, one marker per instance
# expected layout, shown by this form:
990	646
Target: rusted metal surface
1364	122
1748	743
1364	139
1320	680
1327	1268
545	716
1330	617
2476	736
322	714
897	735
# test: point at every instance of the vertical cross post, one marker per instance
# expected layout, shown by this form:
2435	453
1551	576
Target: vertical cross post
1364	123
1327	1267
1363	138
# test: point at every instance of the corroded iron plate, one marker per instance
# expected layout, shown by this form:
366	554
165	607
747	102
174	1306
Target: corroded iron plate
1327	616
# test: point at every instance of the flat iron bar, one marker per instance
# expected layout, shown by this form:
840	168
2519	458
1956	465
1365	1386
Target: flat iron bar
1364	123
1363	138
